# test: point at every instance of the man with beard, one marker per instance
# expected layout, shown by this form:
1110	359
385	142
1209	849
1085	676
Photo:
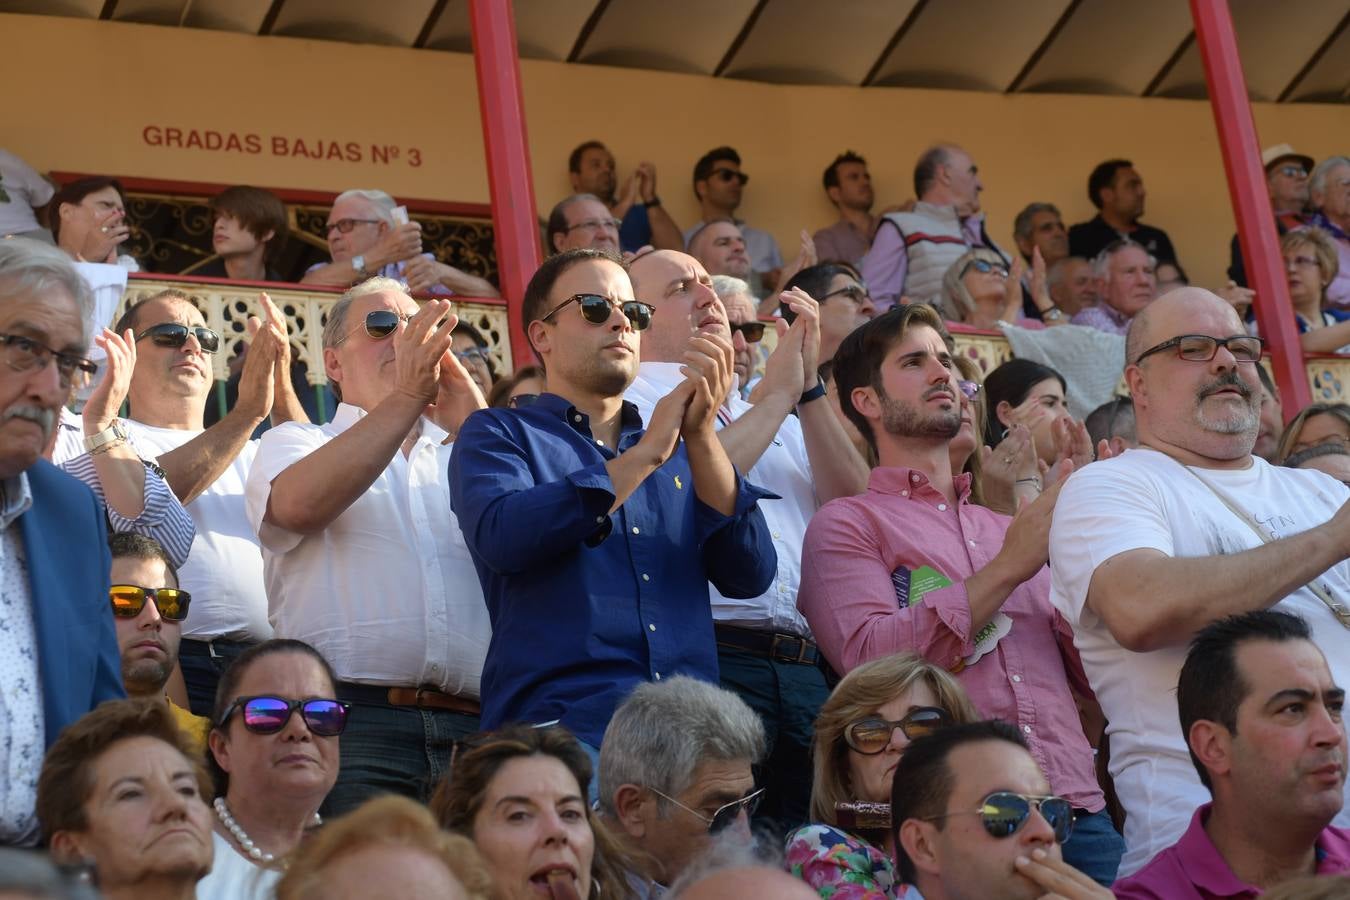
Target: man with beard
1152	546
643	219
912	565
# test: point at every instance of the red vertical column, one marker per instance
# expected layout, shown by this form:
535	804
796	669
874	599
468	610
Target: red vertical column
510	187
1251	202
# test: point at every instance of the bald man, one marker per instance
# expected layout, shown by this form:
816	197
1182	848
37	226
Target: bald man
765	649
1149	547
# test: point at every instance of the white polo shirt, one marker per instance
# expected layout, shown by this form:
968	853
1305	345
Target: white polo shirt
387	592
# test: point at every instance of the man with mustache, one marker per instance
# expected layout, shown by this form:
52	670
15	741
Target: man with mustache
1150	547
1261	715
58	652
912	565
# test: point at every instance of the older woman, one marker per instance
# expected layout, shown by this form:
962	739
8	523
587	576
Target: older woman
1310	264
274	755
979	290
520	795
88	218
120	790
861	735
1317	423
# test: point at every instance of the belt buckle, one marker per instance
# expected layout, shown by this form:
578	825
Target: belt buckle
800	656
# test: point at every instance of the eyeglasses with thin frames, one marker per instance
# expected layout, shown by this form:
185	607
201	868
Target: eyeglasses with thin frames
726	814
1202	348
346	225
23	354
857	293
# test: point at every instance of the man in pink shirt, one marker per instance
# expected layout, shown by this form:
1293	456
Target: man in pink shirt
1262	717
913	565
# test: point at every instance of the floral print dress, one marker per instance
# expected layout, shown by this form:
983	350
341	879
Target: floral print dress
840	866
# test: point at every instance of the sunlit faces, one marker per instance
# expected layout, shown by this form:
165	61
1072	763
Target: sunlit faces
589	224
722	188
183	371
533	823
1073	286
681	290
1043	407
1287	181
146	818
1324	428
229	237
845	306
363	366
366	230
740	310
1049	235
99	209
675	836
1271	427
1130	283
964	181
148	642
720	247
855	186
596	175
1305	276
578	355
918	397
475	360
1125	195
1334	198
870	777
30	401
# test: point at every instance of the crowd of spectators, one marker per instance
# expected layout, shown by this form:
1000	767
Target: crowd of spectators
675	609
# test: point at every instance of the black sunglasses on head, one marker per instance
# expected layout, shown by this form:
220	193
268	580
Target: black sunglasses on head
171	334
268	714
597	309
129	599
753	331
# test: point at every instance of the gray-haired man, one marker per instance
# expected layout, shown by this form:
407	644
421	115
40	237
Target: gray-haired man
676	767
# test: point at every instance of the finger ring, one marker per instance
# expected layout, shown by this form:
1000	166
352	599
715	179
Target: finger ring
104	229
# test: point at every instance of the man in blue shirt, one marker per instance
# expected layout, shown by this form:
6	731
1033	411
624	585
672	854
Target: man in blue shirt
594	539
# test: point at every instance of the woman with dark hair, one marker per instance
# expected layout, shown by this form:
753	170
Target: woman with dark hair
520	794
1023	392
274	757
526	383
88	219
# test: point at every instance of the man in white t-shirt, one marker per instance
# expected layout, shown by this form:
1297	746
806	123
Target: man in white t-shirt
170	387
1151	546
363	558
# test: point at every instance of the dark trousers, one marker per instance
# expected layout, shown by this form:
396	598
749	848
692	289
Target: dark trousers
787	696
392	749
1095	847
202	663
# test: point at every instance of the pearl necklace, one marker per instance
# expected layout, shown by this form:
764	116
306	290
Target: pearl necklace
241	837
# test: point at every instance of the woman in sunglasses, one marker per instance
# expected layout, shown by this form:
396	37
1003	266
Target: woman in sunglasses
520	794
981	291
861	734
274	757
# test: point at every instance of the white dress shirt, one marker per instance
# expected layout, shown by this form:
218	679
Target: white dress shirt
784	469
387	592
22	728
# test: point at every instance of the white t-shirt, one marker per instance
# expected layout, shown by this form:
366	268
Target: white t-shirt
233	877
224	571
1145	500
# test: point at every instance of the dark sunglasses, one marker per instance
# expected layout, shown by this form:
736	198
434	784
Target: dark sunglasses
171	334
753	331
1202	347
984	267
520	401
128	600
726	815
380	323
872	735
1004	813
268	715
854	292
597	309
729	175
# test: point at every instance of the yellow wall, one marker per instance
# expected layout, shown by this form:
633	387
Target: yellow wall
82	95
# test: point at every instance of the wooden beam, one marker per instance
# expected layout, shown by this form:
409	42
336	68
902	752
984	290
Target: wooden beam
741	35
1314	59
1043	47
270	19
109	7
433	17
1157	80
886	51
587	27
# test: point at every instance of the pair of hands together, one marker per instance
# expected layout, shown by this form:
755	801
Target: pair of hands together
690	410
426	371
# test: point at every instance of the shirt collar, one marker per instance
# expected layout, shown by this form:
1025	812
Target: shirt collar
561	409
15	498
1204	866
903	480
665	377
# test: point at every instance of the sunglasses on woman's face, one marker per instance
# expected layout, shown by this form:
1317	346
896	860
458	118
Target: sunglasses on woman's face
129	599
1003	814
871	735
984	267
268	714
171	334
597	309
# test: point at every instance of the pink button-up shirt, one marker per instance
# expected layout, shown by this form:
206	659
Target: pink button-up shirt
854	544
1193	869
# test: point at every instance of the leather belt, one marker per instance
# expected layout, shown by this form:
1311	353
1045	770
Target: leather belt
786	648
420	697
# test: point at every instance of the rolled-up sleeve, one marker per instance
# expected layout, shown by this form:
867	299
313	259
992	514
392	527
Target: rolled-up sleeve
162	517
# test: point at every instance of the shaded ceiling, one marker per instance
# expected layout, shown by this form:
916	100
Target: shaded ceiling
1291	52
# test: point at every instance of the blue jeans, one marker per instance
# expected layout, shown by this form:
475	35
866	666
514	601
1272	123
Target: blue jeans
392	749
203	662
1095	847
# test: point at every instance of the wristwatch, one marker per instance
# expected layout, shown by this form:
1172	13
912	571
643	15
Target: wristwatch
359	265
114	433
814	393
1053	314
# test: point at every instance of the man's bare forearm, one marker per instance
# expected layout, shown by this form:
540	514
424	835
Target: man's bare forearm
195	466
666	235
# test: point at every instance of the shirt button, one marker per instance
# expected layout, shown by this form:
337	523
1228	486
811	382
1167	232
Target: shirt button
1017	679
635	529
904	493
657	676
971	543
651	627
576	418
1027	729
777	536
914	477
942	507
599	519
600	442
646	577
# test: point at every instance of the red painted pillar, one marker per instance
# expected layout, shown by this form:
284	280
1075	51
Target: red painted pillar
510	187
1251	202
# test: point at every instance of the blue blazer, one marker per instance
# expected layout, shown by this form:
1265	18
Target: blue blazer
65	536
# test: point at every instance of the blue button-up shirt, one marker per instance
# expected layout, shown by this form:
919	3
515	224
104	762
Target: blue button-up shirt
584	603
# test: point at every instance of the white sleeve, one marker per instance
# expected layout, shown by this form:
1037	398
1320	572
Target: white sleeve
279	449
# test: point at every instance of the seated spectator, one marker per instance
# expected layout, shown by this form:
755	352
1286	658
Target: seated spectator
861	735
582	220
1333	459
844	302
471	349
718	184
979	291
1116	189
1022	392
1315	424
387	847
520	795
849	187
1113	422
364	240
869	560
676	769
22	193
1272	418
912	250
88	219
746	329
1126	283
59	653
1071	285
1330	187
973	817
1287	182
274	757
1039	226
520	389
121	791
1170	276
992	474
248	233
31	875
148	611
720	247
1310	266
1262	719
590	167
